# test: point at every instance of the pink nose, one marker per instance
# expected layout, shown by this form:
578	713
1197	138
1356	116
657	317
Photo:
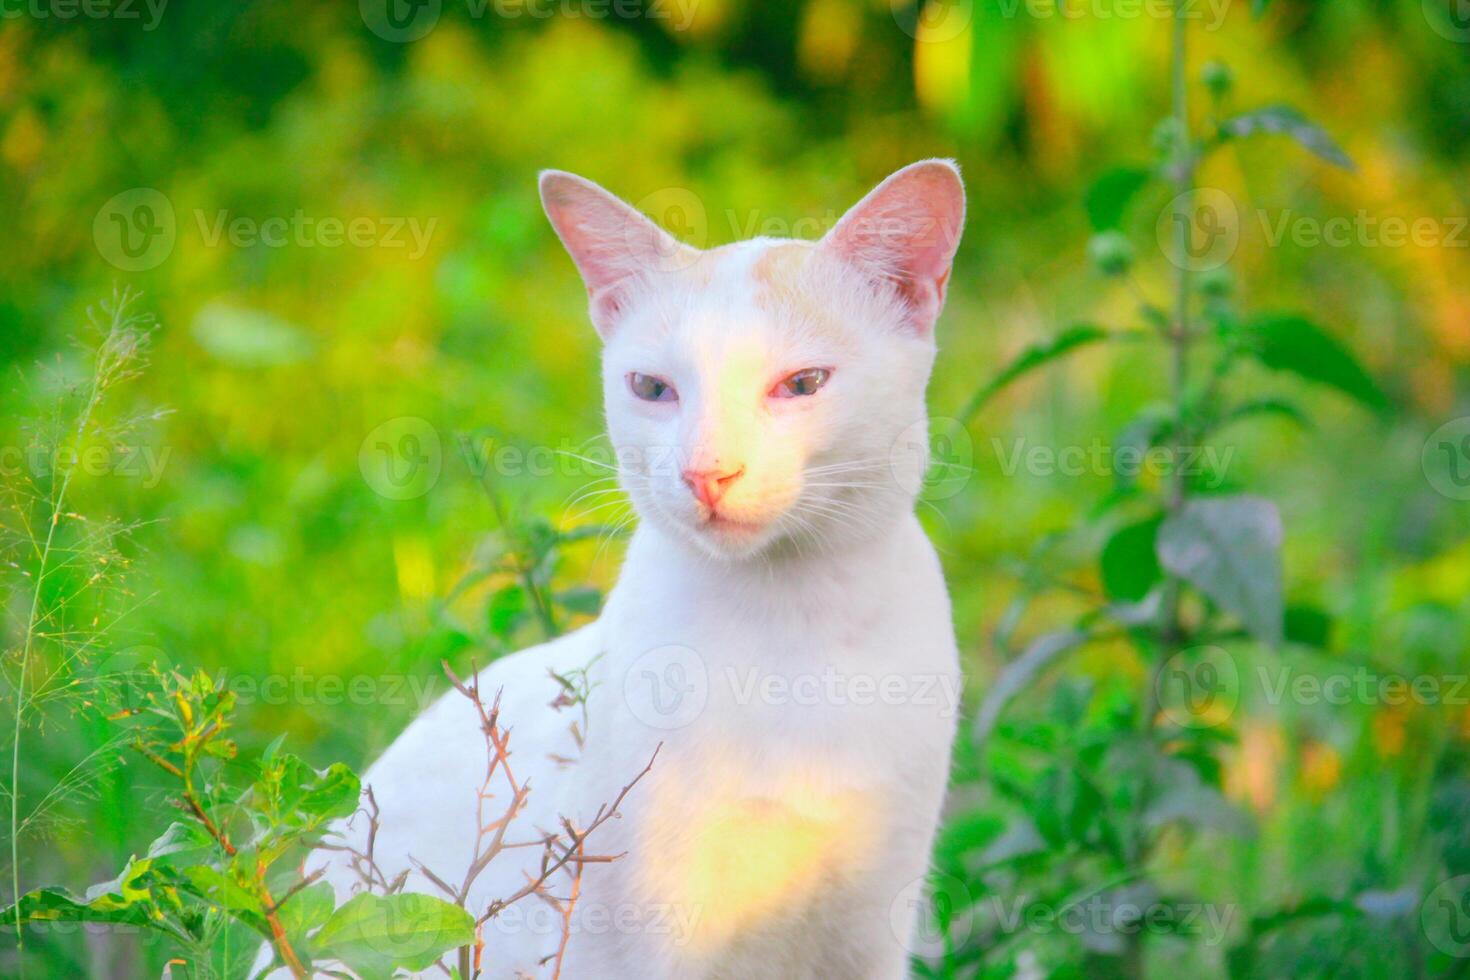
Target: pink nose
709	486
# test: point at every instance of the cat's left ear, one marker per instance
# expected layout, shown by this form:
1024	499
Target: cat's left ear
905	233
612	244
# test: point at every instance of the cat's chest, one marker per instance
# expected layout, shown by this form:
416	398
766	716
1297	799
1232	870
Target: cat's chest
744	841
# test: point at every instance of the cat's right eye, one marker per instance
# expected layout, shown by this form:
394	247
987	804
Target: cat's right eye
651	389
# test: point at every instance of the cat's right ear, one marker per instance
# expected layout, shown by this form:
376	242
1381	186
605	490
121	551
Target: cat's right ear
612	243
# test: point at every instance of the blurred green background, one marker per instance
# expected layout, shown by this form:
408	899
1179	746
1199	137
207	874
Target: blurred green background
248	140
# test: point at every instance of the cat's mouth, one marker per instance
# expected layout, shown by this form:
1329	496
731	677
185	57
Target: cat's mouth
721	530
717	521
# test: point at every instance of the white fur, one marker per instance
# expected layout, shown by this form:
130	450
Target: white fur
796	794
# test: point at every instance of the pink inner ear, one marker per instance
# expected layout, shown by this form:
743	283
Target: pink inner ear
609	241
905	232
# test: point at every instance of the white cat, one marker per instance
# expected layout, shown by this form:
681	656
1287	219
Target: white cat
781	627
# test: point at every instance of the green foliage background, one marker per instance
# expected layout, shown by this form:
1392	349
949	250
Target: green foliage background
267	554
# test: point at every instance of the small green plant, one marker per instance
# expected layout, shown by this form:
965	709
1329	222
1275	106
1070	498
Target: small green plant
515	566
64	571
1081	801
226	875
235	854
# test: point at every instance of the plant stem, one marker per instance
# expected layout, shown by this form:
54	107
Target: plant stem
278	931
1182	171
1179	335
43	566
525	567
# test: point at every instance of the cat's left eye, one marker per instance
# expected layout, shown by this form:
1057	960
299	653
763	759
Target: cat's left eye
651	389
802	383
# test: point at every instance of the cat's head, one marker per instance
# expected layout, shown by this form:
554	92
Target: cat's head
769	393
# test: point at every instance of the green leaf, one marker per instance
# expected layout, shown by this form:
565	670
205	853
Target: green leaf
1130	564
124	899
1070	699
541	538
228	892
222	748
377	934
1149	428
1193	803
1017	674
307	909
970	832
1021	839
1111	253
1286	121
1296	344
1311	908
1308	626
183	844
587	532
292	794
1377	903
1031	359
584	600
141	895
508	608
1278	407
1230	549
1109	196
1258	7
1243	959
1065	807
